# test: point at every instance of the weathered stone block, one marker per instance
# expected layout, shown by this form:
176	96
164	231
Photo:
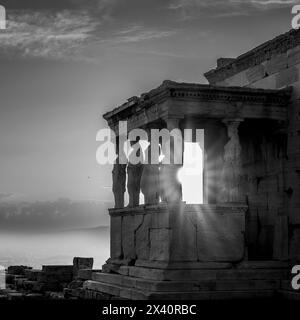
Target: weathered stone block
81	263
102	287
85	274
128	223
295	244
146	273
32	275
75	284
160	219
56	269
281	238
238	80
184	240
276	64
220	237
160	240
107	278
142	238
17	270
52	274
265	83
256	73
116	237
293	56
287	77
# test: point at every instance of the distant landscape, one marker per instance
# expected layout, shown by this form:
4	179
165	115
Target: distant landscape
39	233
62	214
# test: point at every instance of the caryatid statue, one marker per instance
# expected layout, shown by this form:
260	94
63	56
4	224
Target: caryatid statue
134	172
150	181
119	184
231	173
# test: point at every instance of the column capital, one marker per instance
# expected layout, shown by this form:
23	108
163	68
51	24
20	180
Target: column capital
172	123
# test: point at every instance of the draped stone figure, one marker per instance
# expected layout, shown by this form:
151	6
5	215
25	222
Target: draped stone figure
134	183
231	173
119	184
150	182
134	172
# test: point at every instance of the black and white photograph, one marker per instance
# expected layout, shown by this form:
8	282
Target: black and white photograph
149	157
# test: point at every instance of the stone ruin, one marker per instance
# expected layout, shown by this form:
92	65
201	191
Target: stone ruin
55	282
245	237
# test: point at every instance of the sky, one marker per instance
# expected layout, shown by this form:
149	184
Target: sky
64	63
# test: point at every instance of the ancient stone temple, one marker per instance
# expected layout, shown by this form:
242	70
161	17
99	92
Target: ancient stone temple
242	240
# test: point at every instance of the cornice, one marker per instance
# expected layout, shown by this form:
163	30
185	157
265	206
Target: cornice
199	92
278	45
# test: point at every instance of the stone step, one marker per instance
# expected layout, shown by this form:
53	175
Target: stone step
221	274
182	265
290	295
263	265
134	294
34	296
195	285
15	296
150	285
211	295
209	265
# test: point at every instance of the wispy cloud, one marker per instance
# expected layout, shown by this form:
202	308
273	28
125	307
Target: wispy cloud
6	197
189	9
46	34
134	34
65	34
275	2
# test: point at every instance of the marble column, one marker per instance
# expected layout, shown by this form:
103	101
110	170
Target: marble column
170	186
232	168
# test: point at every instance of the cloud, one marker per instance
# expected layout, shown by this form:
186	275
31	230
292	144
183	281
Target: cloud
10	197
4	196
65	34
275	2
135	34
70	27
47	34
189	9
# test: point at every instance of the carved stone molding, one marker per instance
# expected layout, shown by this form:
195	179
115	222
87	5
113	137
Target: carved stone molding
278	45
